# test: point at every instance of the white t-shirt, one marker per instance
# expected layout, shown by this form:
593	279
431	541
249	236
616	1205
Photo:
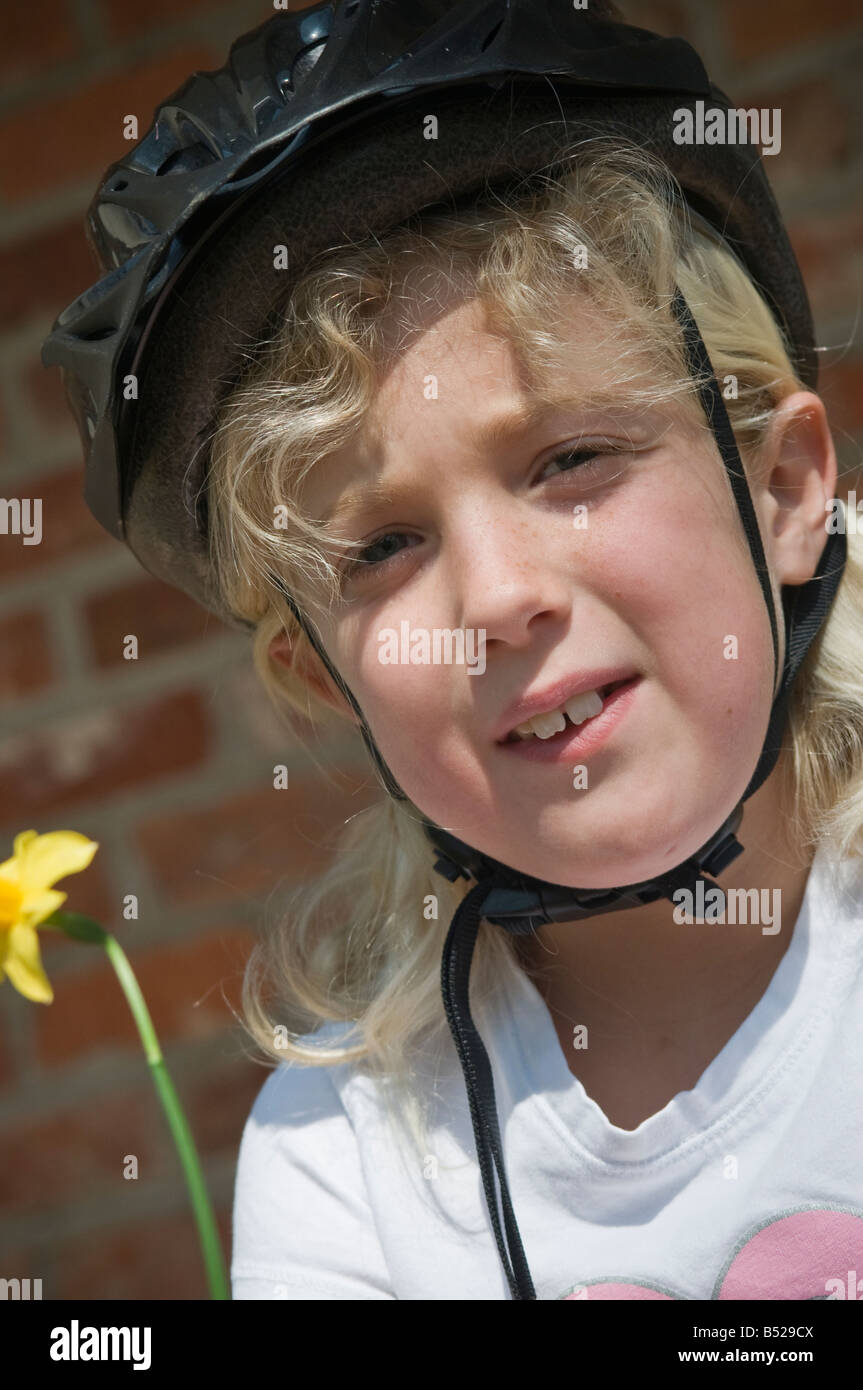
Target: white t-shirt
750	1185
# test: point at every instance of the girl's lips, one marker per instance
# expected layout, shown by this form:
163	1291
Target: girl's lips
579	739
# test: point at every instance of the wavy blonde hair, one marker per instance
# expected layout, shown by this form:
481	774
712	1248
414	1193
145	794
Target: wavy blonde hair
354	947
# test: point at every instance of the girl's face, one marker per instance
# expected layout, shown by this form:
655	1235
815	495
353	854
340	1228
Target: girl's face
629	555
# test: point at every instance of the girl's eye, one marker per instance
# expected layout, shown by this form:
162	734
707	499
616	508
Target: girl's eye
363	562
569	454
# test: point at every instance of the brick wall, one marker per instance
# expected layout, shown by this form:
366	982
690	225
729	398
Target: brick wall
167	761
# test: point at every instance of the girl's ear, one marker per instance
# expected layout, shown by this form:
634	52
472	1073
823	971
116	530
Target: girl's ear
803	476
308	666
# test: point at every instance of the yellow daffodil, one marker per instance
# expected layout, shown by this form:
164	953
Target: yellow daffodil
27	897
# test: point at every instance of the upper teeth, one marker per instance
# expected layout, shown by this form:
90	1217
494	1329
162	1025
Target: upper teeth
578	707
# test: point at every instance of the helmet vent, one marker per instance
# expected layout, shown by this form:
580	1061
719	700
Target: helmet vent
304	62
184	161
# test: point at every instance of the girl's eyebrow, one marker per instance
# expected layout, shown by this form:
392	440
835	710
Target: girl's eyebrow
363	499
506	425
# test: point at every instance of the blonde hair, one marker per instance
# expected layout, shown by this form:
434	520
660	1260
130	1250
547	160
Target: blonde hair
354	947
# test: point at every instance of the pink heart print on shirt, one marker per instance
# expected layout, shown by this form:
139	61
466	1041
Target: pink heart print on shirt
814	1252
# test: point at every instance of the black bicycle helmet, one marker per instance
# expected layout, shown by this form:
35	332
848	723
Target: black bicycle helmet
307	137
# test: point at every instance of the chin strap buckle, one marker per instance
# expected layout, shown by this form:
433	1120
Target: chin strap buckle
449	869
455	859
726	846
721	852
724	854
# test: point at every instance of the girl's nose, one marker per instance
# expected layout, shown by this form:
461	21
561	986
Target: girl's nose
505	573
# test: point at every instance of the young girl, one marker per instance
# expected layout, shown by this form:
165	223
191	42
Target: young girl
679	1101
489	420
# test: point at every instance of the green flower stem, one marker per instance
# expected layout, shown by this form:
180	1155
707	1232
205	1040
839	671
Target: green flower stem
85	929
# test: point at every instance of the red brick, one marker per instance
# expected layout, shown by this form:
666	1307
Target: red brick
160	616
815	131
659	16
124	21
249	843
27	1262
79	1152
46	270
756	30
93	755
217	1106
28	663
7	1072
829	250
68	526
56	142
184	986
31	41
159	1258
841	386
44	395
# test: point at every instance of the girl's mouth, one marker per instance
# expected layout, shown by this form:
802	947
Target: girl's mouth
578	739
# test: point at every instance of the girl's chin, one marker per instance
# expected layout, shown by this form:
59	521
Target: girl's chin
590	878
611	866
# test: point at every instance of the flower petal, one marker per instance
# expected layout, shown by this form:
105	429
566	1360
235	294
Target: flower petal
23	965
38	906
42	859
10	902
10	867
